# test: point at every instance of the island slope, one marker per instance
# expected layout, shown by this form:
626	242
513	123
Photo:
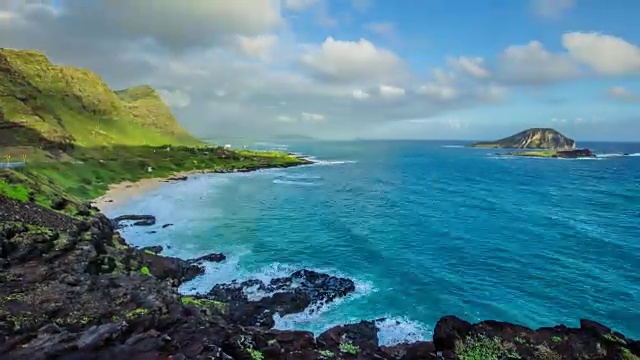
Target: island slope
535	138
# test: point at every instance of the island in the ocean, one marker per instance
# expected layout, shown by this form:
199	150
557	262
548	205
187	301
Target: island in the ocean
71	287
541	142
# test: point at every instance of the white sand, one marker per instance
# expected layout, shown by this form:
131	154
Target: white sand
119	194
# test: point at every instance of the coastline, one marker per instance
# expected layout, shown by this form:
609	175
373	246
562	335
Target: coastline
120	193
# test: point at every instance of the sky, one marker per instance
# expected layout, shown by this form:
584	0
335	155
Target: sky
341	69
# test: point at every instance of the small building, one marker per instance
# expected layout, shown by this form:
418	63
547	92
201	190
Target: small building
227	147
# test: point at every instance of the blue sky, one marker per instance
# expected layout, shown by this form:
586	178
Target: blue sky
441	69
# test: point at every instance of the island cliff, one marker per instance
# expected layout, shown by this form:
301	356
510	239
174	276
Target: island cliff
71	287
536	138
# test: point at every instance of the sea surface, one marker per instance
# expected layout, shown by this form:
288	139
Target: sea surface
425	229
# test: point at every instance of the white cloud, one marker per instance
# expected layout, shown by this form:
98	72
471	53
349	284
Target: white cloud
299	5
176	98
312	117
381	28
285	119
606	54
473	66
533	64
389	91
551	9
361	95
620	93
441	88
492	93
352	60
256	46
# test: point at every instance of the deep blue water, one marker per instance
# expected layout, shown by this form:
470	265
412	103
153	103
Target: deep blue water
425	229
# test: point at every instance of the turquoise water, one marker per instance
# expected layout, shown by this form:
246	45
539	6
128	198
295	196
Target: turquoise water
425	229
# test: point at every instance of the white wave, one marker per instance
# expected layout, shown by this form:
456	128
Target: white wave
452	146
299	183
634	154
393	331
608	155
301	177
333	162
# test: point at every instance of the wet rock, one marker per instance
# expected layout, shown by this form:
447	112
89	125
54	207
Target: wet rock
156	249
450	329
254	302
166	226
213	257
139	220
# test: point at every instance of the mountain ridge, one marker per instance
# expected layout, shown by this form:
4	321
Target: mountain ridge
42	103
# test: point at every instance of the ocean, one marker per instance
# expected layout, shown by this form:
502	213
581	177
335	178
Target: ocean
425	229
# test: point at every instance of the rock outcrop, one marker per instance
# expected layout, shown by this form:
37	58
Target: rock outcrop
73	289
536	138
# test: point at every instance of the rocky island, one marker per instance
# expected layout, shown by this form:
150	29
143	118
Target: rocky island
548	143
72	288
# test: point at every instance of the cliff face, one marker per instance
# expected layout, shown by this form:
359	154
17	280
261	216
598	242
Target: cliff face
537	138
42	103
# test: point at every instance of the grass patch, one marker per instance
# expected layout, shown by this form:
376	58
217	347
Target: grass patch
205	304
614	339
542	153
628	355
481	347
349	348
326	353
255	354
556	339
136	313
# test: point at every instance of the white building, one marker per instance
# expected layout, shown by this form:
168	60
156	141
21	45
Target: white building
227	147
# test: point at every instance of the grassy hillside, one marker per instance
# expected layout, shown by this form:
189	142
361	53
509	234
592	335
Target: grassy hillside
42	104
77	135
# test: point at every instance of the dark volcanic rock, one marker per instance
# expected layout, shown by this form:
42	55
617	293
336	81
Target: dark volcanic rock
288	295
166	226
573	154
213	257
157	249
139	220
72	289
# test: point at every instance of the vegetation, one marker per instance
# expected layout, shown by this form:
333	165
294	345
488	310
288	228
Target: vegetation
326	353
145	271
544	153
78	136
349	348
255	354
205	304
481	347
556	339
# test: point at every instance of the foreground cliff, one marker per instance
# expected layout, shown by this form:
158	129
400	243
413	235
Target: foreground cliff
73	289
536	138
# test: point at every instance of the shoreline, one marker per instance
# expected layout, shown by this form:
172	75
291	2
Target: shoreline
120	193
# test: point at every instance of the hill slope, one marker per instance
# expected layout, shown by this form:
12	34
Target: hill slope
46	106
536	138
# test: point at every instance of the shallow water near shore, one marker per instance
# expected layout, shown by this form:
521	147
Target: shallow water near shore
425	229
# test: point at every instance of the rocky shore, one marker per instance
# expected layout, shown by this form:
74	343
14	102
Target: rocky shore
72	288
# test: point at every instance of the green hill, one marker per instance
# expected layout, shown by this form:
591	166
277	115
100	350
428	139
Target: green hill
77	136
49	107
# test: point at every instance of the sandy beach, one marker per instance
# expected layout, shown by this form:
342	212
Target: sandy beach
120	193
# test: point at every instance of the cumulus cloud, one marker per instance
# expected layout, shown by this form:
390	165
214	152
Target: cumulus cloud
606	54
346	61
551	9
257	46
389	91
207	72
533	64
620	93
473	66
